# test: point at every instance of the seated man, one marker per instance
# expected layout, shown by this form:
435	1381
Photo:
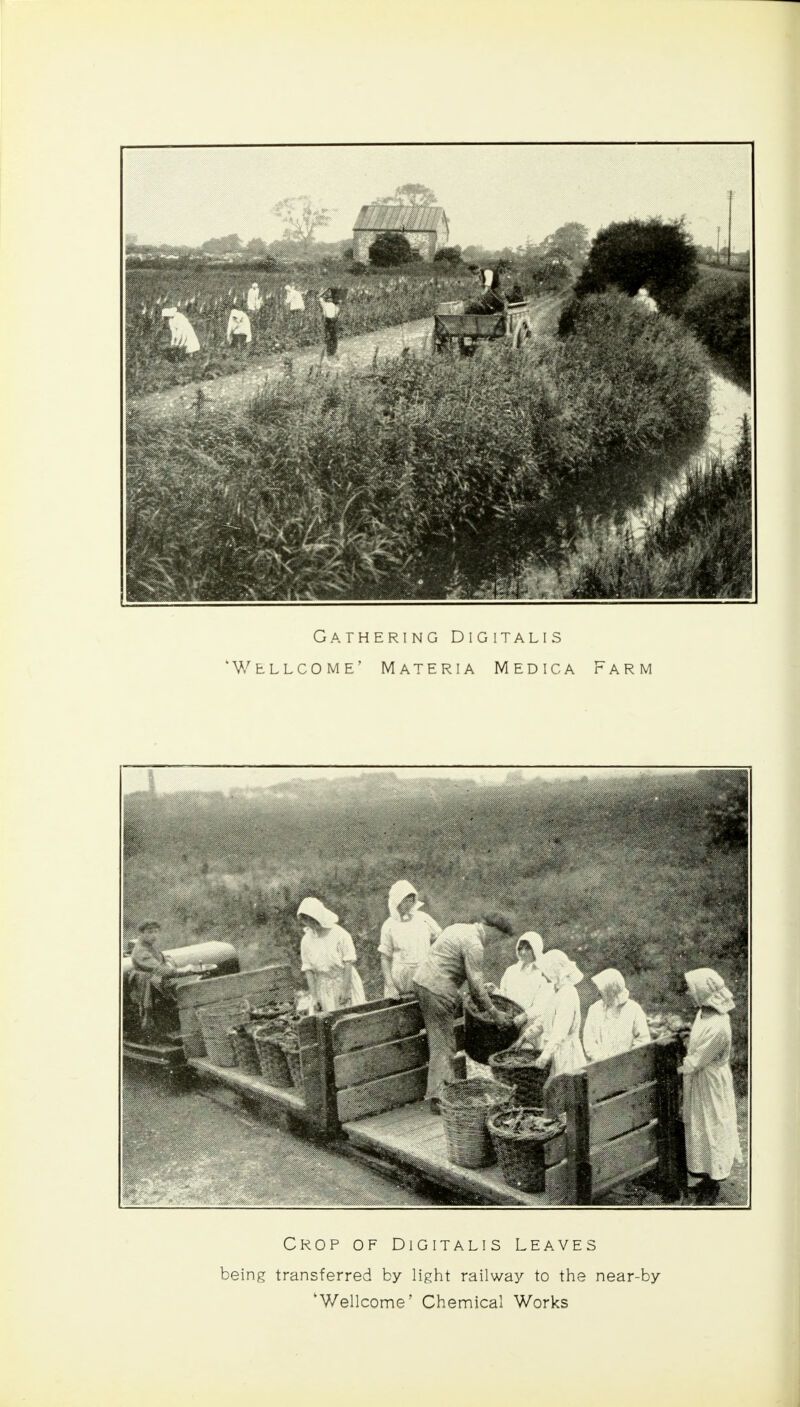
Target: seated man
153	971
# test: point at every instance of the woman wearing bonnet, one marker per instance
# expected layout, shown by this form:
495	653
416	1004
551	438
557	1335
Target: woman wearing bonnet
406	936
328	959
709	1102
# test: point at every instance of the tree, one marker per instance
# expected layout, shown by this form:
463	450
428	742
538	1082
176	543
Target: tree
390	248
226	244
301	219
412	193
258	247
630	253
570	241
450	254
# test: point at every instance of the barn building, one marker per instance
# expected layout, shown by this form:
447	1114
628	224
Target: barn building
424	226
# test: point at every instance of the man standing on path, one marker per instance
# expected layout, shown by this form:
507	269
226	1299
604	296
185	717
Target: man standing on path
329	303
455	957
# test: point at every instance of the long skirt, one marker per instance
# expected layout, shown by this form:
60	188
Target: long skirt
439	1014
330	987
709	1116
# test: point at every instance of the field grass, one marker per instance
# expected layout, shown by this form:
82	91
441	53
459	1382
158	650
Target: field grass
206	296
619	872
330	489
699	546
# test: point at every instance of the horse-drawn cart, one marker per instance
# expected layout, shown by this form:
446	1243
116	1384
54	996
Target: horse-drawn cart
455	328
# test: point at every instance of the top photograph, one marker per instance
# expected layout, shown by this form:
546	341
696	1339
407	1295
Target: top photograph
436	373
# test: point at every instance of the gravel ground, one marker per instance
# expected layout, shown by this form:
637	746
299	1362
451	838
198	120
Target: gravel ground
186	1149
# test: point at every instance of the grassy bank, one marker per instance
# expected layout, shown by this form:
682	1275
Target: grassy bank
718	312
333	488
619	871
698	547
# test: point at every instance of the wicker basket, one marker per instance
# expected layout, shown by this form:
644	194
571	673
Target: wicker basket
465	1105
518	1068
520	1147
482	1037
272	1056
244	1048
292	1053
215	1022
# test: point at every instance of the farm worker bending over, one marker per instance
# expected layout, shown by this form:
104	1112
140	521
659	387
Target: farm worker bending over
643	299
328	958
328	302
254	300
239	332
406	937
709	1104
456	957
562	1049
293	298
616	1023
524	983
184	337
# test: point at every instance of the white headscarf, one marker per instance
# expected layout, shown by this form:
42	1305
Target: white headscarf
611	985
707	988
314	908
169	312
399	891
534	941
558	968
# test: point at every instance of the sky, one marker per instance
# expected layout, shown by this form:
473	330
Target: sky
171	779
492	195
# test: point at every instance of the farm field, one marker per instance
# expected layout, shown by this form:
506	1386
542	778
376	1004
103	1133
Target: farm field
358	486
618	871
371	301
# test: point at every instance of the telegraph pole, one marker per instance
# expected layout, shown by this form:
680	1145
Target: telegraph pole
730	208
717	243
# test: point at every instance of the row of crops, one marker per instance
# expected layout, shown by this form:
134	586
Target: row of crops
207	296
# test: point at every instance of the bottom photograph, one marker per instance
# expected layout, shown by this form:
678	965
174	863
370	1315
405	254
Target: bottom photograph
511	986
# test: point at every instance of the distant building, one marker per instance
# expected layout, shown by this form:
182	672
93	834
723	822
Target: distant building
424	226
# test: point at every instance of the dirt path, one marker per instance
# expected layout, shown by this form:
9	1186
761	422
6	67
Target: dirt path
355	354
188	1149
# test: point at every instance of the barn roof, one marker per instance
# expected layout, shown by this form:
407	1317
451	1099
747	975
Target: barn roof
399	217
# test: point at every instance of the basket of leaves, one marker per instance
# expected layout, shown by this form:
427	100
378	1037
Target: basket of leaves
518	1068
272	1056
244	1048
519	1136
482	1035
465	1107
216	1021
290	1044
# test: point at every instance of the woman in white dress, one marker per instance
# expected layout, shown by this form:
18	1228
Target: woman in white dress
328	958
616	1023
525	983
406	937
562	1049
709	1102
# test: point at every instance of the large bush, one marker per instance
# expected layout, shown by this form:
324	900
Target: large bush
719	312
389	249
630	253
